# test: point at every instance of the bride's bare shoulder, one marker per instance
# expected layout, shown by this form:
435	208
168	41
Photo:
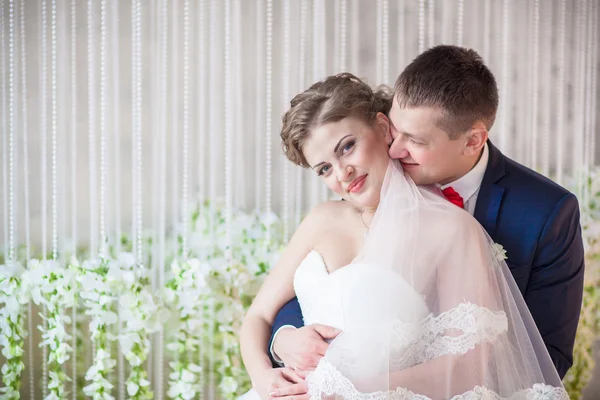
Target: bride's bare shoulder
330	210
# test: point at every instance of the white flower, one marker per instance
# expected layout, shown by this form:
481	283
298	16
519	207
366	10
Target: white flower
132	388
228	385
499	252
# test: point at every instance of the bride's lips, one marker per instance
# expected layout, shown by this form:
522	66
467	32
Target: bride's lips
357	184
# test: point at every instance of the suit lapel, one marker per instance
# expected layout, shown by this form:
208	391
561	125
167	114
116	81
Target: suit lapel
491	193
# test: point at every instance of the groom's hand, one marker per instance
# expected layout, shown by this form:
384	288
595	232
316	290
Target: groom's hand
303	347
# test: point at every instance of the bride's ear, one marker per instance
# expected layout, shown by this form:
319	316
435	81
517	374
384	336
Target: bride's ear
382	125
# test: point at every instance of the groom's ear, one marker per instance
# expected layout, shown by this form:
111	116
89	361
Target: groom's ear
382	123
475	139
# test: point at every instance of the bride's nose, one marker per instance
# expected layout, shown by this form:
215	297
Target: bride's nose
344	172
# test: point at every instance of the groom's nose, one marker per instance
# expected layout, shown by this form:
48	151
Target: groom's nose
397	149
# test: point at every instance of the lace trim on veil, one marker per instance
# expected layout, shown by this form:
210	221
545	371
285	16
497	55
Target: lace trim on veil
429	339
477	324
327	382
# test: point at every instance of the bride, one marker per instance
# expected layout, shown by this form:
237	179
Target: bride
425	302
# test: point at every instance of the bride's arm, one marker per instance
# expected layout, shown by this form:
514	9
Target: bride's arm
274	293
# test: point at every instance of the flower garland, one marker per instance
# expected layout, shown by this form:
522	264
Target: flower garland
186	292
53	287
143	315
98	300
13	295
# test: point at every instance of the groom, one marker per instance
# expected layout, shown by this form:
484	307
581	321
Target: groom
445	103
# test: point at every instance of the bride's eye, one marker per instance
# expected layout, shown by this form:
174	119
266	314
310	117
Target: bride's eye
323	170
348	146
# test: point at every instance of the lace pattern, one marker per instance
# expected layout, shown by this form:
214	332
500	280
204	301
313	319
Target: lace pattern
417	343
327	382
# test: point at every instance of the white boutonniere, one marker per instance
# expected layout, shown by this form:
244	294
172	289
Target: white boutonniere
499	252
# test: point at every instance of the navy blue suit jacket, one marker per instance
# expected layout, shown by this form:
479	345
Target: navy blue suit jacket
537	223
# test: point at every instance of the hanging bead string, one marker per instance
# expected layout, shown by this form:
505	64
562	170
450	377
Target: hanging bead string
215	52
23	127
431	23
378	42
175	109
203	79
73	205
546	64
286	96
227	110
11	132
268	111
459	23
583	100
115	41
594	16
560	118
401	46
4	121
54	137
487	26
92	127
579	94
385	43
534	83
301	84
103	130
505	88
240	142
73	114
43	127
317	54
354	37
138	126
44	122
25	136
421	26
343	35
259	120
3	93
164	65
186	126
116	127
591	94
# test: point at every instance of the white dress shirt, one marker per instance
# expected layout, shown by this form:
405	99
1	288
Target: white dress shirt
467	186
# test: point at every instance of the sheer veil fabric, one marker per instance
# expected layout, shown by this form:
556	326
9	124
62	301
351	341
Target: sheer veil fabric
436	315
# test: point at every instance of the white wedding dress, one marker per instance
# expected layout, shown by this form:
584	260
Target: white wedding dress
320	295
428	310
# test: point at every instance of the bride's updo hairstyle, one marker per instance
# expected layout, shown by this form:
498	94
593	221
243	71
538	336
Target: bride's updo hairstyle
331	100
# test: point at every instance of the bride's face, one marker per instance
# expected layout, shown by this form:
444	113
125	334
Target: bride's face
351	158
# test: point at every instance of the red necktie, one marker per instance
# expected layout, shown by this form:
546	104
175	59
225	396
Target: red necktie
453	197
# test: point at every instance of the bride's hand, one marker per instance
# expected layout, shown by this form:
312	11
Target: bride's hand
282	383
303	347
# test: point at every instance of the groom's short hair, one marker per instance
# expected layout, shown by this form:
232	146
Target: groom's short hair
454	79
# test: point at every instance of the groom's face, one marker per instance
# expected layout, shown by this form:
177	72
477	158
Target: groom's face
426	152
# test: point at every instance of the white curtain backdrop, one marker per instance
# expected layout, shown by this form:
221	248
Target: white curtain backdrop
115	115
198	93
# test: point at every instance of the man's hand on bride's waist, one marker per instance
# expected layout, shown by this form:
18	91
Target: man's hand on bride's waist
303	347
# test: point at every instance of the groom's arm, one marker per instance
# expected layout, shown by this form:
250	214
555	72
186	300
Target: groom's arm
290	315
555	289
